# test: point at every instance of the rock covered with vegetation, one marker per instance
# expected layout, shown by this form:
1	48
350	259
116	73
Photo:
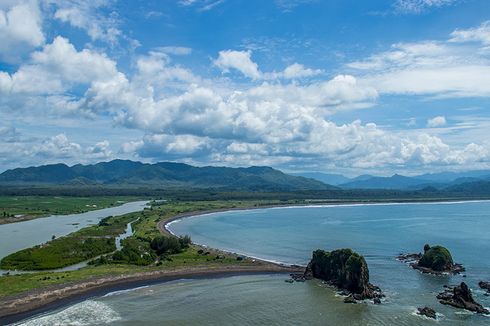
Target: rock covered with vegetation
434	260
460	297
345	269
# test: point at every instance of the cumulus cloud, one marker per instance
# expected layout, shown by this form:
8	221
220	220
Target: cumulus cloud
54	77
16	147
435	122
20	28
238	60
242	62
280	118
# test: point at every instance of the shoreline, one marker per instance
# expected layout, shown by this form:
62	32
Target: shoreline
163	225
28	304
38	301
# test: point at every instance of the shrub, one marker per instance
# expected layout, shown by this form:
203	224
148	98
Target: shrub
164	244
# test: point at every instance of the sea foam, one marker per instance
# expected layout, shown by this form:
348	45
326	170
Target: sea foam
84	313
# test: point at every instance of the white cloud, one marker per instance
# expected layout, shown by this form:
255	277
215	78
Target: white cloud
411	122
239	60
478	34
201	5
57	147
289	5
435	68
435	122
175	50
297	70
419	6
242	62
100	150
87	15
57	68
20	29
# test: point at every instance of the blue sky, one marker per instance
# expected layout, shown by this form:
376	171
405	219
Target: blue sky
382	87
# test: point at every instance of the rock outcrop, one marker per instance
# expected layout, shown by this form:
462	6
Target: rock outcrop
460	297
345	270
435	260
427	312
484	285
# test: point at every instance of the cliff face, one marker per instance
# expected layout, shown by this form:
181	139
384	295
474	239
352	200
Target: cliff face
344	269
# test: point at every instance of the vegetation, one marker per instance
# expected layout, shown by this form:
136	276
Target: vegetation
343	267
137	254
169	244
24	207
76	247
436	258
58	253
167	174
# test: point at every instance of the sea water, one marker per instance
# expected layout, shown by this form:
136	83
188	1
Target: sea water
289	235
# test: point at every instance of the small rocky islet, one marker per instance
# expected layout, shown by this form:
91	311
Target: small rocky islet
460	297
427	312
485	286
348	271
435	260
344	269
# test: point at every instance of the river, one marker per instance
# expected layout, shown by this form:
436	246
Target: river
21	235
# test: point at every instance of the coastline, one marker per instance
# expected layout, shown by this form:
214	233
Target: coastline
22	306
163	225
37	301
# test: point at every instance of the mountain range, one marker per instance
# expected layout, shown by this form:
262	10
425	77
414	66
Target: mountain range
124	173
449	181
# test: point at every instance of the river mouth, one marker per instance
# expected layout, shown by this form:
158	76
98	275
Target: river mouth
21	235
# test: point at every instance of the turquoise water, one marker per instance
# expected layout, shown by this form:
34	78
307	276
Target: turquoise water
379	232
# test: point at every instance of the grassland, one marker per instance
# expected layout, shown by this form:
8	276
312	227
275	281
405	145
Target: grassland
19	208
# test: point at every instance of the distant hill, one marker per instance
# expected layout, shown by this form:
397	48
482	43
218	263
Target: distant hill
394	182
448	177
328	178
471	188
440	181
164	174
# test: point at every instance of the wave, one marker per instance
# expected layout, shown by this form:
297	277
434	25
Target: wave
110	294
89	312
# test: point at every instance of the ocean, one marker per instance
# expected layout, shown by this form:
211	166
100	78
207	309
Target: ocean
289	235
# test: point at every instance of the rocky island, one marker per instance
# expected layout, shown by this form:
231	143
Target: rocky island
346	270
460	297
435	260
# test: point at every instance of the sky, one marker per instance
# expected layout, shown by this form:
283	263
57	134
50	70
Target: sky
351	87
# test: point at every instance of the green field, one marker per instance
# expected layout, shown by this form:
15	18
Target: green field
14	208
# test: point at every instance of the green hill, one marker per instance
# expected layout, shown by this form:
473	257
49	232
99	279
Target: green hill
163	174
